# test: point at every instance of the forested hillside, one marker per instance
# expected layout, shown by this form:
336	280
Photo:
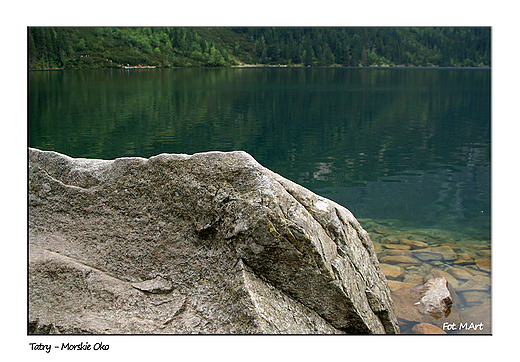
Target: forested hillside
71	48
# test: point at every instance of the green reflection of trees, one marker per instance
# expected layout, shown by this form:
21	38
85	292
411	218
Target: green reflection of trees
320	127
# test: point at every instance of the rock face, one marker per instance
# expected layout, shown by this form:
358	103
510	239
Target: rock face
207	243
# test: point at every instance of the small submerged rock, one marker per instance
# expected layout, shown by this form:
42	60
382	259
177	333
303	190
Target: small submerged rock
485	254
399	259
395	285
475	298
447	253
427	328
464	259
415	244
437	253
377	246
389	240
427	254
450	278
397	247
413	279
436	298
382	230
484	264
459	273
477	282
391	271
423	270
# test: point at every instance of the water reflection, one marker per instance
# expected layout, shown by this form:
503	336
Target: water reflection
329	129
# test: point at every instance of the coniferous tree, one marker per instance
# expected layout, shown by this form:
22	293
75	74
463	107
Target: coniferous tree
63	47
31	50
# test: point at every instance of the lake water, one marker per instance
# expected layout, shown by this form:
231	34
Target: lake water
408	151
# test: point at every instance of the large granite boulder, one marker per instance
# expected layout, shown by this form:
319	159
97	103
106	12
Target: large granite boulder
208	243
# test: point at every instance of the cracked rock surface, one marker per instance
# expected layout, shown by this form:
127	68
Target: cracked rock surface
205	243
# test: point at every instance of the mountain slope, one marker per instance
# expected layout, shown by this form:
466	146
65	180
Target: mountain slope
71	48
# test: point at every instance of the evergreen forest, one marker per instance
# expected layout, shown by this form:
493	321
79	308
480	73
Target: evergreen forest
114	47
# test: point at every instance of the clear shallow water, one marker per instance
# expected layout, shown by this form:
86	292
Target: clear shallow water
411	145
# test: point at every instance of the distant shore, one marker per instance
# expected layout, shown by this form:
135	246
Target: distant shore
276	66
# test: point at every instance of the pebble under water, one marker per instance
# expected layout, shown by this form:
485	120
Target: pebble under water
409	257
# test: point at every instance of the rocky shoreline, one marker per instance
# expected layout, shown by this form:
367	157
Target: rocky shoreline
410	257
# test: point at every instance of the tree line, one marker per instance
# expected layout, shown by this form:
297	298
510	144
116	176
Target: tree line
71	48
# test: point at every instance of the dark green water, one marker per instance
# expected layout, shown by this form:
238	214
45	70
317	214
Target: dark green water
406	144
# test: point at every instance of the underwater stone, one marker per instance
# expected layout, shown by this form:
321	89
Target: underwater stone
427	328
484	264
436	298
414	243
427	254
